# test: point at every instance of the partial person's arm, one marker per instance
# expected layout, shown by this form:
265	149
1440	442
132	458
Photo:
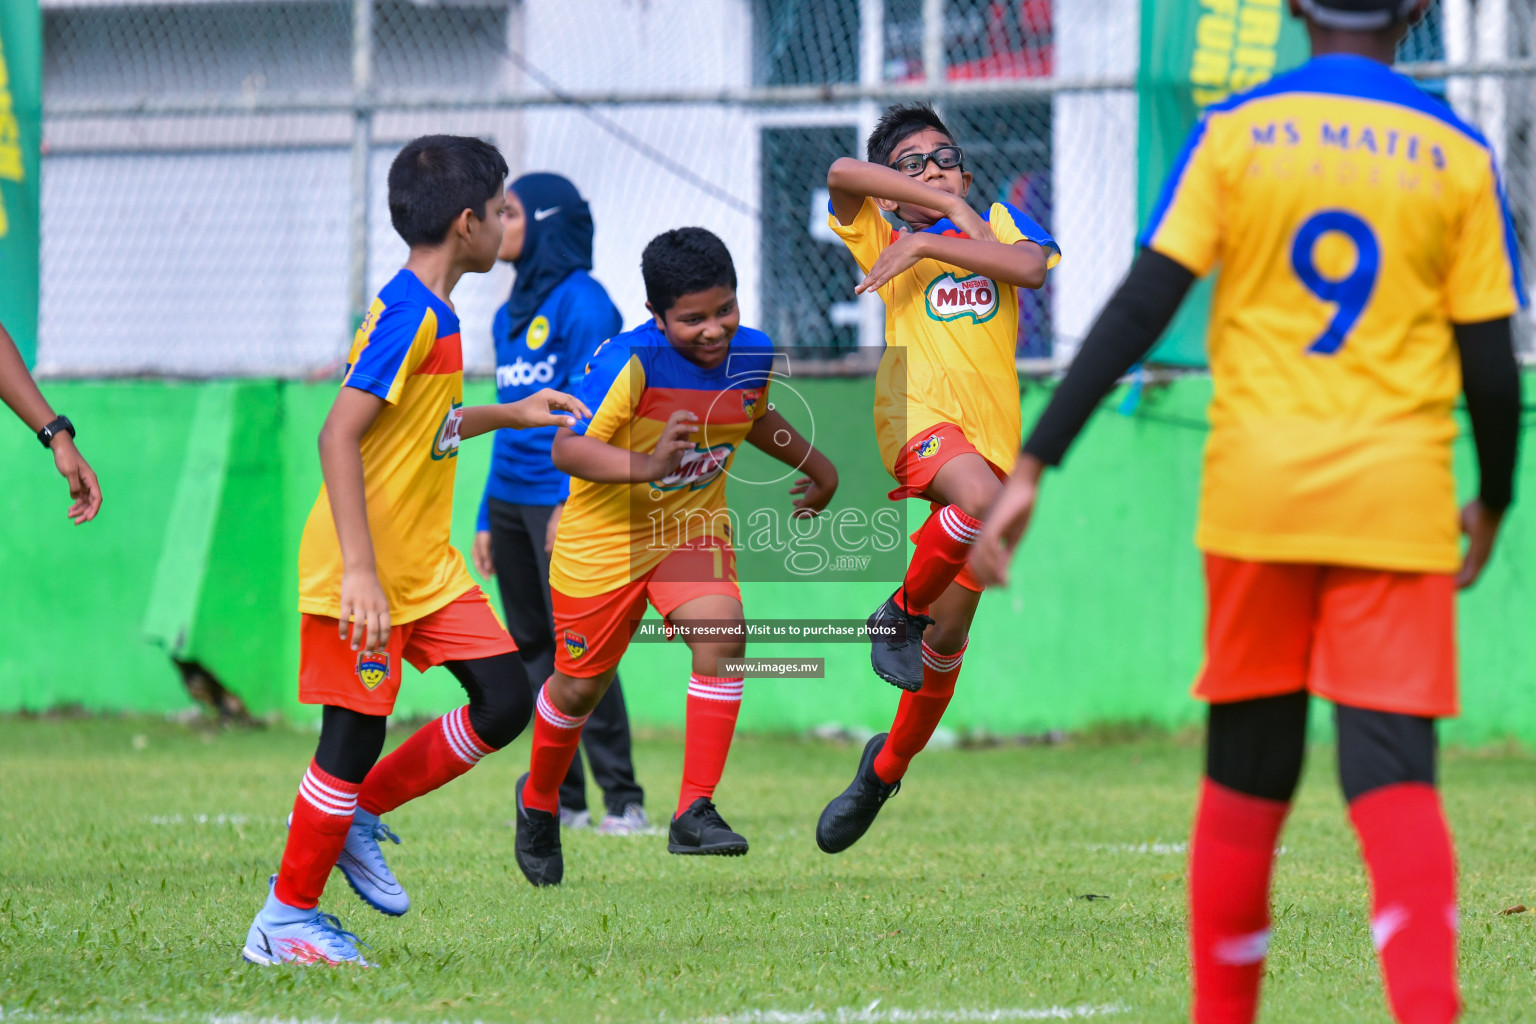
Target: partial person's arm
19	391
363	604
773	434
1021	264
850	180
591	458
1490	377
1123	334
544	408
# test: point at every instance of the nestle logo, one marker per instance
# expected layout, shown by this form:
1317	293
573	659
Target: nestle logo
950	298
698	468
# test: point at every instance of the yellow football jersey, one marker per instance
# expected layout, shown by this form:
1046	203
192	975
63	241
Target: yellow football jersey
1354	218
407	352
950	339
612	534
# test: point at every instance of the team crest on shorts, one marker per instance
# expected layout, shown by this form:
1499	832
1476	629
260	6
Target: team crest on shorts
929	446
575	644
372	668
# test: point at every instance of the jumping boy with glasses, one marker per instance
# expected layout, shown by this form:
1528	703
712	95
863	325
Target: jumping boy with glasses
946	408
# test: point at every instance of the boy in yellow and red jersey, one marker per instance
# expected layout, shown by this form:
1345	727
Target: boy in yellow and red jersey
1368	274
647	521
946	409
375	560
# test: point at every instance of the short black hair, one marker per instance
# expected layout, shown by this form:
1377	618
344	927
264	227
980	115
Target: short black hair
683	261
899	121
437	177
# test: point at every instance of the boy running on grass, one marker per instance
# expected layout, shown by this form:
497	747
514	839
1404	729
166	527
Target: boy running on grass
378	579
1367	275
647	521
946	408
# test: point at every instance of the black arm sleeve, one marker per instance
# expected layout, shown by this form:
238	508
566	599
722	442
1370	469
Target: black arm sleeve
1490	376
1124	332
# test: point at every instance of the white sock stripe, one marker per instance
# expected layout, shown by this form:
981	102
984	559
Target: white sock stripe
327	804
956	529
328	789
454	732
944	662
470	735
716	687
557	718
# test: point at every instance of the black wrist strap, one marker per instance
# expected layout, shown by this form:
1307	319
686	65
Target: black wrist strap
54	429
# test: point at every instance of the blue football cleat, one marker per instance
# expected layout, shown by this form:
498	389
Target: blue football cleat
362	863
289	935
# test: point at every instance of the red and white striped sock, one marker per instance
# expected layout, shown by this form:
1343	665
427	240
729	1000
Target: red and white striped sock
322	813
713	703
555	738
433	755
919	713
942	546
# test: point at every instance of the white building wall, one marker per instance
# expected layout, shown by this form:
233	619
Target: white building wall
1093	148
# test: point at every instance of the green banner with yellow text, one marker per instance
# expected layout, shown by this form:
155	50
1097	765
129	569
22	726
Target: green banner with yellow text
21	133
1195	53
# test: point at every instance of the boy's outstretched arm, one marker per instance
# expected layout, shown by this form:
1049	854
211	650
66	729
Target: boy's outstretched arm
1022	264
850	180
19	391
363	603
1124	333
543	408
773	434
590	458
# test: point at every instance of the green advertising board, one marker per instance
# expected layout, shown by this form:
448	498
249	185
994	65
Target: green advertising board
1195	53
21	133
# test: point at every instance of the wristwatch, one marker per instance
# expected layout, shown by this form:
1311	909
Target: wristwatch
54	429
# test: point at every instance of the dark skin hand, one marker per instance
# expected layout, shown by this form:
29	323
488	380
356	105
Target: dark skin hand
19	391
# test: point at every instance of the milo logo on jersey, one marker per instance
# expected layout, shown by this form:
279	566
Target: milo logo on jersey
950	298
446	444
697	469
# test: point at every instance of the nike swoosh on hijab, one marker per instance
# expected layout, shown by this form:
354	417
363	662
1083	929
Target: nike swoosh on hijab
543	214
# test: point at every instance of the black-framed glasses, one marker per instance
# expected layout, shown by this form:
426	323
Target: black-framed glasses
947	157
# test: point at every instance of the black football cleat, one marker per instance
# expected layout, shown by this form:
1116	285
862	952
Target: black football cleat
896	645
852	811
701	830
538	842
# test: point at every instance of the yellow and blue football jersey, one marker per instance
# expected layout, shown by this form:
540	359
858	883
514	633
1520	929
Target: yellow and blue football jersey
613	534
950	338
407	352
1354	219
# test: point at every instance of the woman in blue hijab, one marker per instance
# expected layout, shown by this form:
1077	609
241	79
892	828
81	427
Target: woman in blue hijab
545	334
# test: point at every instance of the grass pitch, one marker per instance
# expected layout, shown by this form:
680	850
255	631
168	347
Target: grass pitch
1006	884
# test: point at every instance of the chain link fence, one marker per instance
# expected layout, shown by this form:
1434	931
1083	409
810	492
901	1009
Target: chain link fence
213	189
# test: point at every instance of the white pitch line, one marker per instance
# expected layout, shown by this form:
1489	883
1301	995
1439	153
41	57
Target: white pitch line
871	1014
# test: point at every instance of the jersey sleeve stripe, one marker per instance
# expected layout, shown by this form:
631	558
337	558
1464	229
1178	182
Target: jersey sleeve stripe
445	356
1171	184
1033	232
1511	243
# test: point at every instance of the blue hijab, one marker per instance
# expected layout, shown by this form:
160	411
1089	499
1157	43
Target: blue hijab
557	239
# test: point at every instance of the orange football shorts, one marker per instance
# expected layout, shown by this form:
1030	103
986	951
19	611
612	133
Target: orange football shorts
920	461
592	633
1369	638
331	672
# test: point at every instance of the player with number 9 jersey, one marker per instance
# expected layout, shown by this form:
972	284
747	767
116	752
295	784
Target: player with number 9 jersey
1368	277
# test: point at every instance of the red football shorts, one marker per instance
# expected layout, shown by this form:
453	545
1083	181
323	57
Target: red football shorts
592	633
331	672
1369	638
920	461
